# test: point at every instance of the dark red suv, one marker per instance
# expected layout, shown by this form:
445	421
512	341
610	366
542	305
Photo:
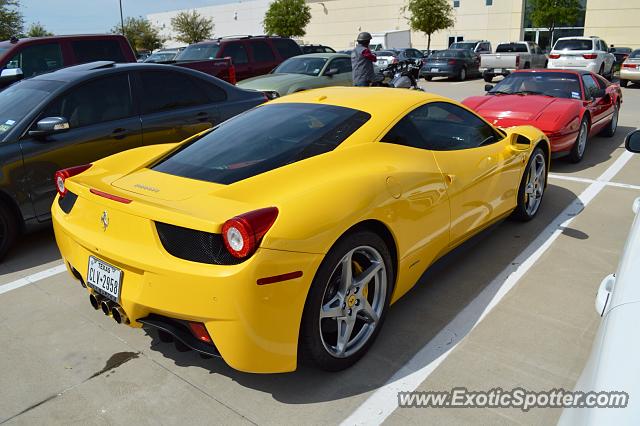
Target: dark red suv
40	55
251	56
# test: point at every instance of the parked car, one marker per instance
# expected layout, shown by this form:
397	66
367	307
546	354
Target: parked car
164	55
479	47
568	106
630	69
27	57
141	55
251	56
387	57
453	63
316	48
582	53
510	57
303	72
613	362
82	113
307	215
621	54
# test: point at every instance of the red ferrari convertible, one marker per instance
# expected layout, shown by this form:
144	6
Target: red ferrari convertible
568	106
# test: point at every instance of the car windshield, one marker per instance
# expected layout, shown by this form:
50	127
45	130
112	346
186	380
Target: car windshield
574	44
161	56
199	52
298	65
385	53
20	99
468	46
635	54
556	84
447	54
511	47
238	148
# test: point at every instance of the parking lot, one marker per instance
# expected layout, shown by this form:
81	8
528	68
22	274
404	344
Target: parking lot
514	307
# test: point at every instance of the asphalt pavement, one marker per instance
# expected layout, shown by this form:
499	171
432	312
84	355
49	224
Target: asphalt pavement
514	307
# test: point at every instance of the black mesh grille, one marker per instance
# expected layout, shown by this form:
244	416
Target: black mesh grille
66	203
193	245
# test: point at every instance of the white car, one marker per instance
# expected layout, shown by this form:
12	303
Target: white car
584	53
614	363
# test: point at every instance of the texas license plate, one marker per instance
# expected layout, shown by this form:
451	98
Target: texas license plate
434	69
104	278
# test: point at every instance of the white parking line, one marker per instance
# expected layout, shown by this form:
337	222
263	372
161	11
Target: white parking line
383	402
30	279
587	180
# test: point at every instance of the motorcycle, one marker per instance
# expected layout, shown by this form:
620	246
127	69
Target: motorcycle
401	75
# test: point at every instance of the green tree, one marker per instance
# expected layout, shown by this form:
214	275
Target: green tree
429	16
287	18
191	27
38	30
552	13
11	19
140	33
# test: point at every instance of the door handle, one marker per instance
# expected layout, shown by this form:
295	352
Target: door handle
119	133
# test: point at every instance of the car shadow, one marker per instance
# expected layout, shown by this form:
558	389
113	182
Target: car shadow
440	295
599	150
31	250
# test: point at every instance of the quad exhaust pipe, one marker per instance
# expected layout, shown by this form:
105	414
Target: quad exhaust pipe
109	308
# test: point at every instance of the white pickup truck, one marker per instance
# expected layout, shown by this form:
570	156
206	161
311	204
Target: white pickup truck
510	57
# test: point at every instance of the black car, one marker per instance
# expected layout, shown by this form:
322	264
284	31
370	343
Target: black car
452	63
79	114
621	54
315	48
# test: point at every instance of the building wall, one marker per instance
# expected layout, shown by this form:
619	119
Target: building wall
616	21
337	22
233	18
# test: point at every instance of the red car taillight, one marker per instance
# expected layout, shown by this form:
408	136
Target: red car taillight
242	234
517	61
590	55
232	74
630	66
200	332
451	62
395	61
554	56
62	175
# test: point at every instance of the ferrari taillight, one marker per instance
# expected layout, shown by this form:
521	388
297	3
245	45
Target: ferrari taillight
590	55
554	56
200	332
62	175
242	234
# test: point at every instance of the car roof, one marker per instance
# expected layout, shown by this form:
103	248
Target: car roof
323	55
56	37
89	70
578	38
240	37
553	70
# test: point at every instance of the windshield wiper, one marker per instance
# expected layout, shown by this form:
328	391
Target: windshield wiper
499	92
530	92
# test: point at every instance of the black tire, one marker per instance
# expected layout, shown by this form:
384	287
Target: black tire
521	213
611	128
623	83
488	78
311	344
576	155
428	78
601	71
527	65
462	74
8	229
546	64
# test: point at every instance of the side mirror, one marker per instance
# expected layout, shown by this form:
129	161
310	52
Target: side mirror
331	72
49	125
604	293
632	142
488	87
10	75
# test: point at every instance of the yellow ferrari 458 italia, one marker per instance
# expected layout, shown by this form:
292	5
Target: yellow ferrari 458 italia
291	228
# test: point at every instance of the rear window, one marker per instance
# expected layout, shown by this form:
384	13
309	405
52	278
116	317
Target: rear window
635	54
386	53
575	44
97	50
470	46
287	48
199	52
238	149
511	47
448	54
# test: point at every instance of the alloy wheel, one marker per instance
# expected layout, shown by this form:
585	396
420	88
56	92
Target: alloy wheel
582	139
353	301
536	179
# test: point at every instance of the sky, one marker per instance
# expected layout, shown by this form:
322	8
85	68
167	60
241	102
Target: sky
96	16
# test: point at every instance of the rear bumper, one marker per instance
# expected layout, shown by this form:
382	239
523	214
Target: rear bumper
497	71
429	71
254	327
590	66
625	74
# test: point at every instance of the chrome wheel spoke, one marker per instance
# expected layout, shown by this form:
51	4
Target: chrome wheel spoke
366	276
333	308
368	313
346	277
345	328
529	189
